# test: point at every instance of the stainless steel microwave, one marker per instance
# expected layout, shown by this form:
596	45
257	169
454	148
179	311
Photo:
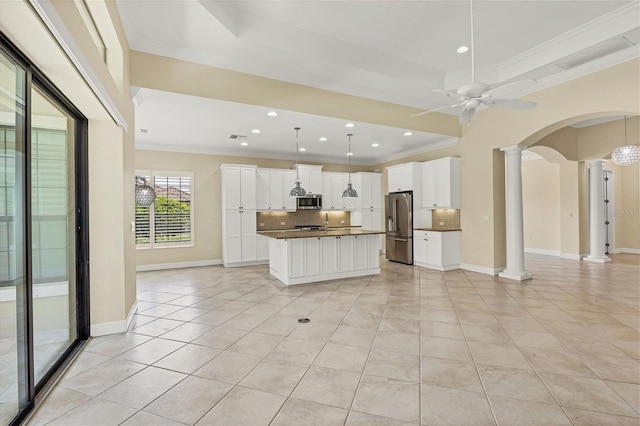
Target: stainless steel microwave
309	202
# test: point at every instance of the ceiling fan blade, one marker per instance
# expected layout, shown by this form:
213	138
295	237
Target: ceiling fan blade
510	103
435	109
450	94
466	115
509	88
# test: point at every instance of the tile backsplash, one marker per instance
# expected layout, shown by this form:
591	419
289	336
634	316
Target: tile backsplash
270	221
445	219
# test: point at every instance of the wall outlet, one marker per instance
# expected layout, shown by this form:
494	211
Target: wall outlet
283	223
441	223
261	224
342	221
485	218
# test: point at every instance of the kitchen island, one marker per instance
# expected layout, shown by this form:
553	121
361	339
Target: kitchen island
299	257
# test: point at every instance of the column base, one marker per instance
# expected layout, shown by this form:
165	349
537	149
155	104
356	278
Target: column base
518	276
597	259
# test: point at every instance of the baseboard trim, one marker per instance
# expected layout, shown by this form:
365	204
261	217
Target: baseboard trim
542	251
114	327
555	253
480	269
623	250
570	256
239	264
178	265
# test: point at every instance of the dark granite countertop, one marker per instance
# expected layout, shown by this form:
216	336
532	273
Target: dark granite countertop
295	233
437	229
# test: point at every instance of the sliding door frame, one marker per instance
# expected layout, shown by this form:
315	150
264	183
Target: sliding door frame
35	78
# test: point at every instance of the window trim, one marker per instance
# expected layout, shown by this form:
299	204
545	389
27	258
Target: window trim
152	245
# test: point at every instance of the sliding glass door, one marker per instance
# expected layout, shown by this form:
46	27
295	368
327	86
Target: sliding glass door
43	233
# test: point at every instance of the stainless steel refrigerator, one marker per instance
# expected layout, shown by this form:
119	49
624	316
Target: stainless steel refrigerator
398	210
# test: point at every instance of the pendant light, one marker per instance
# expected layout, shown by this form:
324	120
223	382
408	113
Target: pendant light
350	192
627	154
144	195
297	191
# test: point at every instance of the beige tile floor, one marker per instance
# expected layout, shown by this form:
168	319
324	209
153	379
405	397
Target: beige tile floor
411	346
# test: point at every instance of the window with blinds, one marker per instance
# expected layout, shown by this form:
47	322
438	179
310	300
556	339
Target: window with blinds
168	221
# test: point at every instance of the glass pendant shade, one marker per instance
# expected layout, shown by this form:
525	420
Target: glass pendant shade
145	195
626	155
298	190
349	192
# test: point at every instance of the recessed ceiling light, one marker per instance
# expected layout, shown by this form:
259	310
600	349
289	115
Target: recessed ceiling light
349	153
408	133
323	139
303	149
375	145
462	49
349	125
144	130
255	131
272	114
244	143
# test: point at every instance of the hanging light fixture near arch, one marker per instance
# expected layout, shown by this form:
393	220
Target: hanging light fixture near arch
144	195
350	192
627	154
298	190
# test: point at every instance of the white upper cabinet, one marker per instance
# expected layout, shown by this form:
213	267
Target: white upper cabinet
238	186
441	189
333	185
272	189
311	178
369	187
404	177
288	182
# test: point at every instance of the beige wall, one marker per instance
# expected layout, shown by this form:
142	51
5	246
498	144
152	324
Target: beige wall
207	199
112	266
541	203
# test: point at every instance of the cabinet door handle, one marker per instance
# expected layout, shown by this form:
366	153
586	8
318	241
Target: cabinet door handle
426	239
435	205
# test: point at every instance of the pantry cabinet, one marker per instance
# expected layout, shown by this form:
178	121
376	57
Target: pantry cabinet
239	243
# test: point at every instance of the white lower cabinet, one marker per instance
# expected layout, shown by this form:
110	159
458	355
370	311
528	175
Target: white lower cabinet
262	248
239	237
304	260
437	250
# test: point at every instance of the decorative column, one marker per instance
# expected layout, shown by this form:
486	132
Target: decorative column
515	228
596	214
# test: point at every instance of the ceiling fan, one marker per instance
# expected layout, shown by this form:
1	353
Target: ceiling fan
475	94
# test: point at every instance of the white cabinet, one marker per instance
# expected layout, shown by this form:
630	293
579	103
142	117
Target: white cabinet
369	187
404	177
441	189
272	190
328	255
262	248
311	178
239	242
238	186
333	185
437	250
304	257
305	260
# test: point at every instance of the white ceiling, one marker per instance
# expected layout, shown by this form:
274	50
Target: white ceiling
393	51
